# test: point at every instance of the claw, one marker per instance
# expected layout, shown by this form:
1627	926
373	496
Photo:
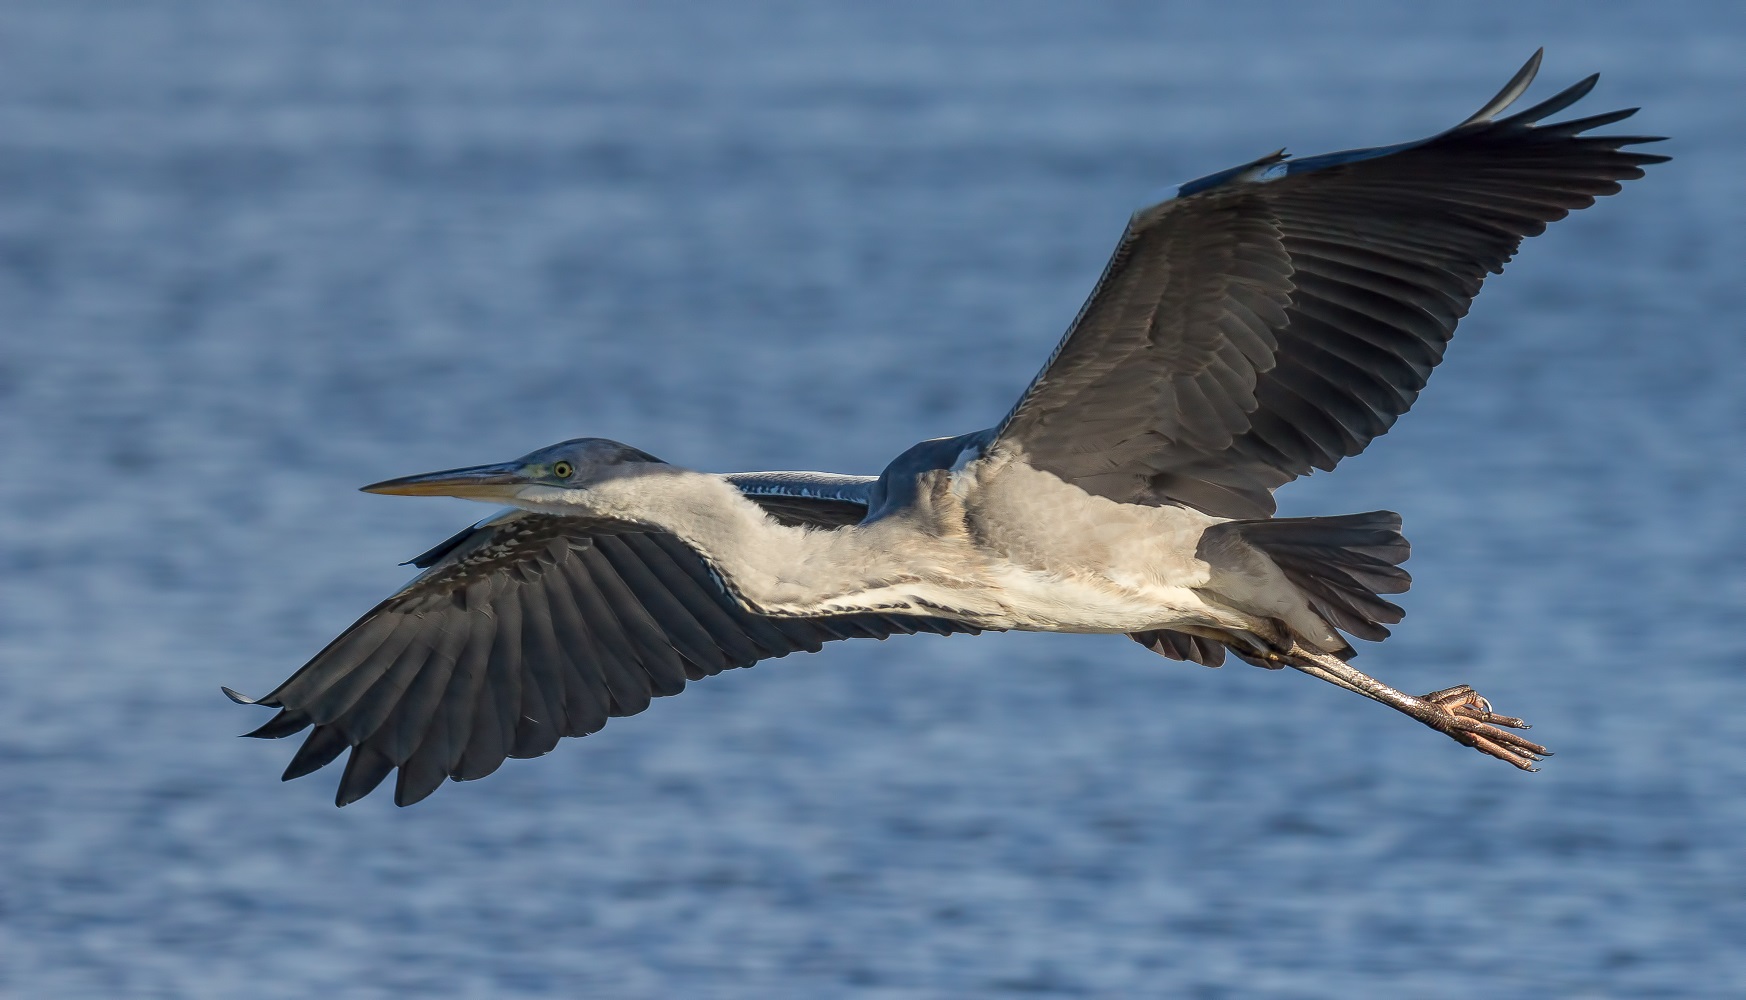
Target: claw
1472	723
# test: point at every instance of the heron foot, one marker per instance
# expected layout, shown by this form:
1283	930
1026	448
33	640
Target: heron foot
1465	717
1458	712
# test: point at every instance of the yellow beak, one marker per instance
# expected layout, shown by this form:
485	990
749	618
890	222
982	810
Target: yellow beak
481	482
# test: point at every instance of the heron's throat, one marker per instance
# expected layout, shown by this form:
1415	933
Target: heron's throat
770	567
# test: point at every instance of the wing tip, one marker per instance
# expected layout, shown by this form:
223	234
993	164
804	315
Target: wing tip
1517	86
1551	105
283	724
408	794
365	769
1511	92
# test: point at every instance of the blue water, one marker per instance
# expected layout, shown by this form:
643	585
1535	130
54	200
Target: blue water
255	255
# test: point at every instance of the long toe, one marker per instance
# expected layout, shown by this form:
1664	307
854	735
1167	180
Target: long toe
1469	712
1466	717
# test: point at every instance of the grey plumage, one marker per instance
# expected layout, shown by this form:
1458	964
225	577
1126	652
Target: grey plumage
1268	320
1317	298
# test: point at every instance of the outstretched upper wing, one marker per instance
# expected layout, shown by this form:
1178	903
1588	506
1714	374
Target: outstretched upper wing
1276	317
523	629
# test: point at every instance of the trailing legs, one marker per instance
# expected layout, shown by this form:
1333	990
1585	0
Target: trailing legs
1458	712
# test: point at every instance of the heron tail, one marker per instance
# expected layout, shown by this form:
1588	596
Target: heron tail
1341	564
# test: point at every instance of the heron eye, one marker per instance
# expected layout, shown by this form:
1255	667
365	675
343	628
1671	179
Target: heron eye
563	470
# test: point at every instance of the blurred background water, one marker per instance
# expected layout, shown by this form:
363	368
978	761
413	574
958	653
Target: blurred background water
253	255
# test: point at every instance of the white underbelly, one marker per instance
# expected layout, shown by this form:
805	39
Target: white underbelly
1023	599
1047	602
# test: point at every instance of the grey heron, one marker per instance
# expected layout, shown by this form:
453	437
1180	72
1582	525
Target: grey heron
1262	322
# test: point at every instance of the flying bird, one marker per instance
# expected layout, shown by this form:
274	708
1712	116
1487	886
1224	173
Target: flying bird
1262	322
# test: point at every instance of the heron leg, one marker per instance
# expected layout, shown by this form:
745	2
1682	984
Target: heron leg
1458	712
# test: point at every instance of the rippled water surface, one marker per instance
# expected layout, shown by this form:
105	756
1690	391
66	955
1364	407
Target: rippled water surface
252	256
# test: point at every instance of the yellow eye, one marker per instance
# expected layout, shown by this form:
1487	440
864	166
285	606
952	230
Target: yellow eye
563	470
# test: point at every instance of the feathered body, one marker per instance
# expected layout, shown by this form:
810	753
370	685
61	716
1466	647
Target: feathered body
986	541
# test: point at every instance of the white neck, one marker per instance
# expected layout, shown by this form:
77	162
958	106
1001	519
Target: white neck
773	568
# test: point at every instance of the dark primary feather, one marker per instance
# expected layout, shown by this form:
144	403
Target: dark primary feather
1277	317
527	628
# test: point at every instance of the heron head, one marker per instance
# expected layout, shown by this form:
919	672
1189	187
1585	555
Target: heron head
569	465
